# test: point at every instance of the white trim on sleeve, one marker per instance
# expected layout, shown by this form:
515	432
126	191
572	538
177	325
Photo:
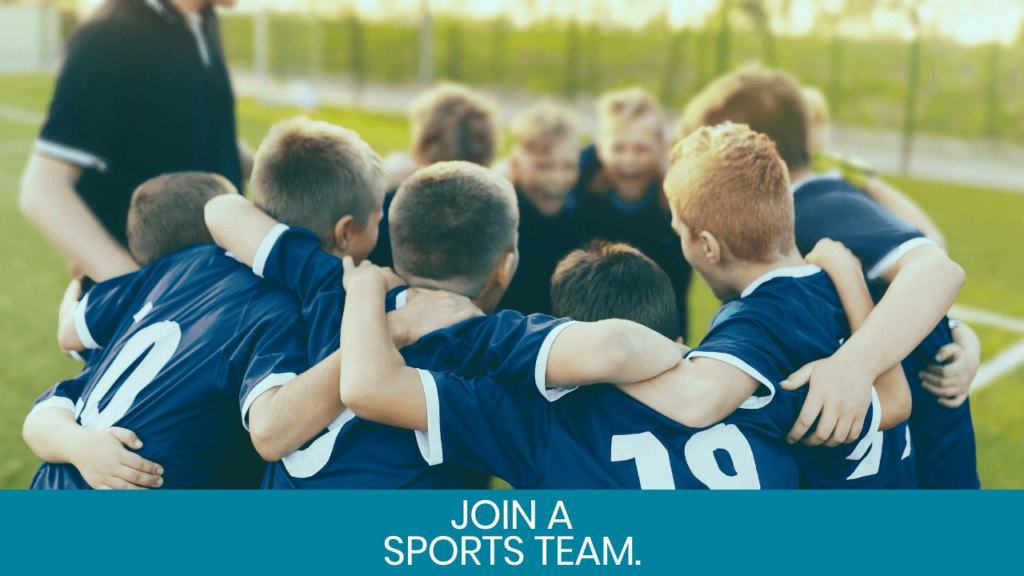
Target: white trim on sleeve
82	327
953	323
429	442
885	263
74	354
541	369
753	402
876	422
401	299
272	381
70	155
53	402
259	262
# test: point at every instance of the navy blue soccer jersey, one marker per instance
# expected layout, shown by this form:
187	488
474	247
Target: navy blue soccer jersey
356	453
543	242
830	207
592	438
785	319
179	351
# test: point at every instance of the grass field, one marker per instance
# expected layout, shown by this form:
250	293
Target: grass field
983	228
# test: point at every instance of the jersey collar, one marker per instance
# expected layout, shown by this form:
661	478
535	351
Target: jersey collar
788	272
834	175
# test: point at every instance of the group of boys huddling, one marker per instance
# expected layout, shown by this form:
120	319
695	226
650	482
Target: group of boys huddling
533	326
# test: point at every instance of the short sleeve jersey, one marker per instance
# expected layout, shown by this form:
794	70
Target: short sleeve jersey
349	453
782	321
127	115
592	438
543	242
829	206
180	349
645	224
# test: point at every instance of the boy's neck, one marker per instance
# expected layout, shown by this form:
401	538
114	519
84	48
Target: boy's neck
189	6
796	177
745	273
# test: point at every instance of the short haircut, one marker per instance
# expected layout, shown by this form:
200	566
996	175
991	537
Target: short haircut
543	125
607	280
166	213
619	108
451	223
769	101
311	174
452	122
730	181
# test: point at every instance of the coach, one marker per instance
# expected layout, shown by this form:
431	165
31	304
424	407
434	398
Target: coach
144	90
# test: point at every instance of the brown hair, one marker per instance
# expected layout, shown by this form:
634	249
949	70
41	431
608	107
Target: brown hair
452	222
615	109
769	101
607	280
730	181
311	174
166	213
543	125
452	122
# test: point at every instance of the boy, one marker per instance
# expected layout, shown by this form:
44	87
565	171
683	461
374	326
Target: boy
595	437
177	348
620	186
328	180
746	358
449	122
454	229
919	280
856	174
544	169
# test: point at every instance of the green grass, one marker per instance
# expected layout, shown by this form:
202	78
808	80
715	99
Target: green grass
981	225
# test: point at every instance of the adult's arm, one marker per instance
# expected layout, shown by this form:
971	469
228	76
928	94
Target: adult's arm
902	206
49	199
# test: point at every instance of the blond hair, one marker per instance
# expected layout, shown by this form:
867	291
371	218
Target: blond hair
619	108
452	122
730	181
543	125
310	174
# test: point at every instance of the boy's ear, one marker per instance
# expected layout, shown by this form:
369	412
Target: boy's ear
710	247
507	268
343	230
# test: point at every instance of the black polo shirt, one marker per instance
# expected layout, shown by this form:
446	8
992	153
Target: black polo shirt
137	97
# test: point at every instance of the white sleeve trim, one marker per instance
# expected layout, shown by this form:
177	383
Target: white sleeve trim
401	299
82	327
272	381
430	441
540	371
953	323
892	257
753	402
259	262
74	354
70	155
54	402
876	422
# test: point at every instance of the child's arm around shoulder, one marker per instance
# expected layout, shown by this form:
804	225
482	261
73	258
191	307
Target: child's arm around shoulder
844	269
376	384
238	226
609	351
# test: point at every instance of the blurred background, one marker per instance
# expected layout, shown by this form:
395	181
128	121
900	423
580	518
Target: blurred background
928	92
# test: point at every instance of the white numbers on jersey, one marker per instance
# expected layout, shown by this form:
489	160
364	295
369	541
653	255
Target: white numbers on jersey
307	462
164	338
654	466
869	452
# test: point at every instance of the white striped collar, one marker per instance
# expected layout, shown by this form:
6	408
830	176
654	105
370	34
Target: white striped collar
787	272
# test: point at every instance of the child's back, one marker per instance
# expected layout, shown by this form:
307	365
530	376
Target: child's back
180	349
